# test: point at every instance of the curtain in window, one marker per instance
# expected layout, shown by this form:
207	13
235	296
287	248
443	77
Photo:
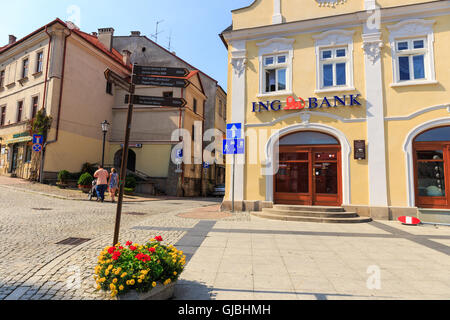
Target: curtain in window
403	63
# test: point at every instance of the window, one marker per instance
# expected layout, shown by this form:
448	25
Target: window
411	59
220	108
28	152
34	106
333	67
193	133
25	68
275	71
2	78
195	105
3	116
109	87
39	61
168	94
19	111
411	43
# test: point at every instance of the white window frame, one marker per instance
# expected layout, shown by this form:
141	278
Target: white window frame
410	53
275	47
333	60
411	30
334	40
274	66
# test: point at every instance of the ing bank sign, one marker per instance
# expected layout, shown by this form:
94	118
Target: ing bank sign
310	103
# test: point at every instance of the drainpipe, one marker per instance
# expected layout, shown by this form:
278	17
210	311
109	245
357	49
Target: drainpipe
41	171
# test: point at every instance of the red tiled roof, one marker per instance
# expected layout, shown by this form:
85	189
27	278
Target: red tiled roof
114	54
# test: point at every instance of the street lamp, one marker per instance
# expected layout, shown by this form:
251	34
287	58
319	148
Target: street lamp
105	126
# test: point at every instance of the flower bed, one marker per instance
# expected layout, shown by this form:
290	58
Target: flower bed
138	267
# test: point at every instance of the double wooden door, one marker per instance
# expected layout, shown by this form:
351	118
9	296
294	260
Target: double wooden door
309	175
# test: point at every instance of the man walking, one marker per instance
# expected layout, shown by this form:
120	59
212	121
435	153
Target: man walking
102	176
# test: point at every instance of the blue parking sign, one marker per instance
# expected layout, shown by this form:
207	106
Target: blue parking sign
234	131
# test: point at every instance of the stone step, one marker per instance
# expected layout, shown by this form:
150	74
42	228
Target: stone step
304	213
291	207
266	215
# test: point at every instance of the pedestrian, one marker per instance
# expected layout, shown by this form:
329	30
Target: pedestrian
113	183
102	176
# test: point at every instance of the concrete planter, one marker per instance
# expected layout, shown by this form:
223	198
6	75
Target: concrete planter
160	292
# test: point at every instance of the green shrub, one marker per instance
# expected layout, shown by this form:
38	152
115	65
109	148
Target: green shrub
89	168
128	190
85	179
130	182
63	176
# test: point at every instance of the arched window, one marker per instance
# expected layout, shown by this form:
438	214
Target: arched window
436	134
308	138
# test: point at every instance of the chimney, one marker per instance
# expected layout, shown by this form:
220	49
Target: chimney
135	33
94	33
12	39
126	56
105	36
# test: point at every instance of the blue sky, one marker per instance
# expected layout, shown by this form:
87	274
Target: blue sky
194	24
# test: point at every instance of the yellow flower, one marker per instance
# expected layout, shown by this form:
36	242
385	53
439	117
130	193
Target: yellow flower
98	287
140	281
119	269
153	284
123	275
112	286
121	287
115	280
132	282
174	273
110	266
106	272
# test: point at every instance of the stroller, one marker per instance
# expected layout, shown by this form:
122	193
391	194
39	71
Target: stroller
93	191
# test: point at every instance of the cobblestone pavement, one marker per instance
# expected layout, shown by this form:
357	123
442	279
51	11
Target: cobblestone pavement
33	266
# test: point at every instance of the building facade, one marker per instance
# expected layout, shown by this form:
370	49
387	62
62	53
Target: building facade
60	70
344	103
155	140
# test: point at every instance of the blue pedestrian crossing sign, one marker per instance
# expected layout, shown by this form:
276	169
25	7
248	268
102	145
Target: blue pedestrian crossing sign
233	146
234	130
37	147
38	139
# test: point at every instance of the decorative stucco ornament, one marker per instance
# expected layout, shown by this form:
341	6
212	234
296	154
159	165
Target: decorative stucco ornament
330	3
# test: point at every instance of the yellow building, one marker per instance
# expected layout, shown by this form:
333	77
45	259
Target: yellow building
58	69
344	103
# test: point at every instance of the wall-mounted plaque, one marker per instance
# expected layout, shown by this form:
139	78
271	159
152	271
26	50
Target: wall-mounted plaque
360	149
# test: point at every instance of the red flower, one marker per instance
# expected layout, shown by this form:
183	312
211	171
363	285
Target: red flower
158	238
129	243
120	248
132	248
111	250
151	249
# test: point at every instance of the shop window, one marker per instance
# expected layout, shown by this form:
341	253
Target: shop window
28	153
412	52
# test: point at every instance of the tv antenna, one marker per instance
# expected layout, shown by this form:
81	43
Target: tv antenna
155	36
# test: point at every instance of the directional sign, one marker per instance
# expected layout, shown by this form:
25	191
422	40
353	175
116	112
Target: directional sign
233	146
160	82
234	131
157	101
38	139
111	76
37	147
206	165
160	71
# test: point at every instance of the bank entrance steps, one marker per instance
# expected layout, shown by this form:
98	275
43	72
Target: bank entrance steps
310	214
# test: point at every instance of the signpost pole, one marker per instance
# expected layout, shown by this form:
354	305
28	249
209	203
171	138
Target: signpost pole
123	169
232	187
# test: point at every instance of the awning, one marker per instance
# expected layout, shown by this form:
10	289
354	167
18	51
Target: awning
18	140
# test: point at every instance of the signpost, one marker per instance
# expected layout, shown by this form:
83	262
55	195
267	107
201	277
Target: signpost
157	101
37	147
233	145
160	81
115	78
38	139
161	71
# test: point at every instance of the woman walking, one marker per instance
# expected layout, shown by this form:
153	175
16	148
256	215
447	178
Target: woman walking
113	183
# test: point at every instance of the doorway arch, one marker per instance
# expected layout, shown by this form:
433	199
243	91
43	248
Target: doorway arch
131	161
272	156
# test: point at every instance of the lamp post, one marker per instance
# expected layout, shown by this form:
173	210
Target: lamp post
105	126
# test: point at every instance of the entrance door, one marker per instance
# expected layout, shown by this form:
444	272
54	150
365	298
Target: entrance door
309	175
15	154
432	168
